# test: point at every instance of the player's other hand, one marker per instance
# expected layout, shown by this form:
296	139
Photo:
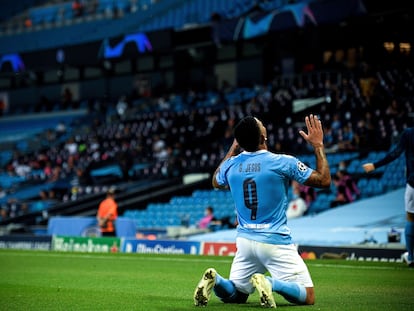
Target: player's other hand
368	167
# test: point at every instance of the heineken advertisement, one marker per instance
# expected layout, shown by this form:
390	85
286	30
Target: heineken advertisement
86	244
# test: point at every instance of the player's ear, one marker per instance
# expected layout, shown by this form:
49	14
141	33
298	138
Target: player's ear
263	139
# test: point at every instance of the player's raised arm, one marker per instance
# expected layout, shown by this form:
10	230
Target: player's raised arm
234	150
321	176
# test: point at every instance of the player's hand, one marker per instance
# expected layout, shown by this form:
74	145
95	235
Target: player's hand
368	167
235	144
315	131
235	148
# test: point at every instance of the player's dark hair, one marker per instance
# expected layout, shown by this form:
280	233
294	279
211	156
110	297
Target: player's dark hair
247	133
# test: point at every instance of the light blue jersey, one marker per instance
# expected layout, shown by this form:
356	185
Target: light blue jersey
259	184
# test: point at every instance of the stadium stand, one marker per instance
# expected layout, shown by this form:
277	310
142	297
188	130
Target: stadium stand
100	148
151	123
191	208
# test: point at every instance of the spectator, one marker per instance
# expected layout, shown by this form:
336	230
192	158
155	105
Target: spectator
342	196
349	183
71	146
77	7
209	221
336	124
347	190
346	140
159	148
206	221
308	194
3	213
122	107
107	214
13	206
297	205
28	22
296	208
394	109
22	168
60	128
302	198
67	98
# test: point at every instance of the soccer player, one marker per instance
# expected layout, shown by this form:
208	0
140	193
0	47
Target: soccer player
259	181
405	144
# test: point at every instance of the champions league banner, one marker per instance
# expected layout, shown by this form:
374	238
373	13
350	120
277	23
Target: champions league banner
128	46
291	16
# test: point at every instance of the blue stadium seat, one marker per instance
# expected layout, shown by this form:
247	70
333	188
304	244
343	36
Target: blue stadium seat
322	203
5	156
7	181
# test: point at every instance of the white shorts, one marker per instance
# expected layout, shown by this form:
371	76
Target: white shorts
409	199
283	262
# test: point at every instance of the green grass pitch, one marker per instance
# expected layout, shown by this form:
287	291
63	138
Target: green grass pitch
42	280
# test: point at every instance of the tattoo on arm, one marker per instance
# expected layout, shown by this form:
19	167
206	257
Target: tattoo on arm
321	177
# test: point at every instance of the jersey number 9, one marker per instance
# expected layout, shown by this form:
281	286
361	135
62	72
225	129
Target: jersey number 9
250	196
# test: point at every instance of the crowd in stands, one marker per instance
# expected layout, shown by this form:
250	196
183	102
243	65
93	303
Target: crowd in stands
193	138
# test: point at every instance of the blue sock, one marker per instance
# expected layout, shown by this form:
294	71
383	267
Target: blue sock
409	239
292	292
224	288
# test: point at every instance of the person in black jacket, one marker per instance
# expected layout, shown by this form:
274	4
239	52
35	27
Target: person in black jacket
405	145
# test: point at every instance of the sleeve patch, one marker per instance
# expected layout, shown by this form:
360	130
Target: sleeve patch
302	167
